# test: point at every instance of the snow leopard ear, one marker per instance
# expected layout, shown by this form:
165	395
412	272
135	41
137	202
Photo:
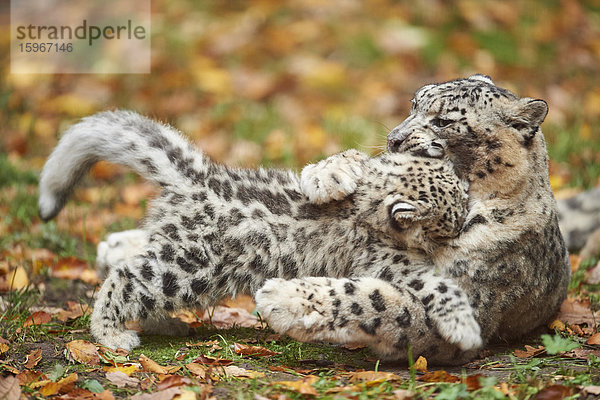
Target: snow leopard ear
527	116
482	78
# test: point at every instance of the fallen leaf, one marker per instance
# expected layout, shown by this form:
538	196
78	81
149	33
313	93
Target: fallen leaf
199	344
17	279
580	353
472	382
121	379
83	352
574	312
26	378
74	310
33	358
74	268
373	376
593	390
302	386
84	394
557	325
402	394
554	392
227	317
3	348
439	376
172	381
212	361
237	372
64	385
254	351
244	302
37	318
128	369
150	365
166	394
9	388
421	364
529	351
594	339
197	369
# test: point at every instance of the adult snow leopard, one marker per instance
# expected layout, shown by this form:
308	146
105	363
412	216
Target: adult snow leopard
510	257
216	231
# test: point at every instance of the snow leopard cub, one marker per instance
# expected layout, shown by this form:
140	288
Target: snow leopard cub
216	231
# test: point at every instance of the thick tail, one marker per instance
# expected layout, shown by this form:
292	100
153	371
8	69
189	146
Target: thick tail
155	151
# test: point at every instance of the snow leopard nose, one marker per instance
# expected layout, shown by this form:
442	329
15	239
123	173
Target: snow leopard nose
398	135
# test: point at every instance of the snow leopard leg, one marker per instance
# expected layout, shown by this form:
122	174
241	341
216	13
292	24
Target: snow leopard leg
136	291
364	310
333	178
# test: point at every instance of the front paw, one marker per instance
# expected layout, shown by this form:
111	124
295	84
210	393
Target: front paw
292	308
333	178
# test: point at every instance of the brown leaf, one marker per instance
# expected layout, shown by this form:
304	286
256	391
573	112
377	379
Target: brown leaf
121	379
37	318
172	381
197	369
472	382
373	376
302	386
439	376
593	390
198	344
212	361
166	394
65	385
353	346
580	353
574	311
529	351
244	302
84	394
3	348
26	378
254	351
150	365
74	310
33	358
9	388
554	392
84	352
594	339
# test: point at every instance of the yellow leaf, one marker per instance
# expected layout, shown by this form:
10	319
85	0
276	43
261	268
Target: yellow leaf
3	348
421	364
302	386
558	325
65	385
371	377
556	182
126	369
237	372
150	365
17	279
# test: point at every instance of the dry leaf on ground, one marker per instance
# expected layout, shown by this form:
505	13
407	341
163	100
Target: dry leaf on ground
421	364
65	385
554	392
33	358
84	394
212	361
574	312
302	386
9	388
37	318
83	351
237	372
166	394
150	365
254	351
172	381
594	339
529	351
373	376
121	379
198	370
438	376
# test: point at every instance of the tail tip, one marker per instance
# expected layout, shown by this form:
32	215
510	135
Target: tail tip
47	208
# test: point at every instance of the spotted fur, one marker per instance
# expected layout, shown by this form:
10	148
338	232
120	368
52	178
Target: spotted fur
216	231
510	257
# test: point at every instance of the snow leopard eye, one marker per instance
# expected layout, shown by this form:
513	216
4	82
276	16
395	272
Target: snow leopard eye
441	123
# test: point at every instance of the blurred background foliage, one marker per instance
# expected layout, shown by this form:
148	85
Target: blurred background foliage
287	82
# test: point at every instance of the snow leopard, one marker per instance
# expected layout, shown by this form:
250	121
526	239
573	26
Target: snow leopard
510	256
216	231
